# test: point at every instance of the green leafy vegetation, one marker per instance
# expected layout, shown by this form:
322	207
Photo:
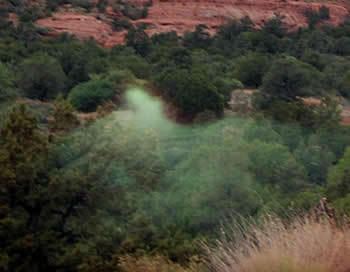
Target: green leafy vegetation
96	176
87	96
41	77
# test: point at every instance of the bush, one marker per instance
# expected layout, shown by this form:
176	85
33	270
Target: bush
120	77
313	17
120	24
87	96
137	65
324	13
86	4
225	86
133	12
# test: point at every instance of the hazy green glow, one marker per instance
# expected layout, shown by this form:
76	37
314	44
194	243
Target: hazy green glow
148	112
193	176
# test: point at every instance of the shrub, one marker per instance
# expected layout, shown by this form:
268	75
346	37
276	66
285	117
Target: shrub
120	24
86	4
132	11
101	5
313	17
225	86
324	13
87	96
120	77
305	245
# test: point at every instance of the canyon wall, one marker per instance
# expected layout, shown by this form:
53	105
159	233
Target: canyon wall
184	15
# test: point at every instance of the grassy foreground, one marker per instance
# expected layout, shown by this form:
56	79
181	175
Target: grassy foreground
305	245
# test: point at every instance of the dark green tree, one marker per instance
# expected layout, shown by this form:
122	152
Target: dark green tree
7	88
87	96
342	46
139	40
289	80
338	187
251	69
41	77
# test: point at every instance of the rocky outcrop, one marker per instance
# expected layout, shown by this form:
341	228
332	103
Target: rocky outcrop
184	15
83	26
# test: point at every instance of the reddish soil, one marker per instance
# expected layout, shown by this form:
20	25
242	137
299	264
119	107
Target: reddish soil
14	19
184	15
346	117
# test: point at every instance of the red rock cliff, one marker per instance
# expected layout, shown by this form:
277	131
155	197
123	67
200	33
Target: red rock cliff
184	15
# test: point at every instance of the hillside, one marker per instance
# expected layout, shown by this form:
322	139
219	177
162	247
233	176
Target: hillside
183	15
226	151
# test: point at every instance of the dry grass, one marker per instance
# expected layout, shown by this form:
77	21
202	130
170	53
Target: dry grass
305	245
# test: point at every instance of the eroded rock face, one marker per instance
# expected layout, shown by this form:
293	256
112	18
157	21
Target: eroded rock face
83	26
184	15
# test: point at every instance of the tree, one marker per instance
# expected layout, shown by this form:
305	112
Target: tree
315	161
44	203
275	26
288	80
41	77
345	85
74	60
139	40
22	153
251	69
64	118
338	186
199	38
314	58
217	179
342	46
324	13
313	17
87	96
273	164
7	88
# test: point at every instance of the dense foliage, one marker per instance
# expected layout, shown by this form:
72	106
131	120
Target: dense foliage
87	195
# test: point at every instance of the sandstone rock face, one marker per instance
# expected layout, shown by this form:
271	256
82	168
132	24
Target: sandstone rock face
184	15
83	26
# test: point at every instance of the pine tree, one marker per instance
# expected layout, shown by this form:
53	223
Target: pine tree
64	118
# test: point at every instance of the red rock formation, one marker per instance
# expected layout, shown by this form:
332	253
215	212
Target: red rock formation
184	15
83	26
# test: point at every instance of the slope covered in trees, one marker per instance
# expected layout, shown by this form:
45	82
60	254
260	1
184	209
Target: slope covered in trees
130	157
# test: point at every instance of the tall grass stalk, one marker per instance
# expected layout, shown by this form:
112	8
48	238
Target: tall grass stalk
304	245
